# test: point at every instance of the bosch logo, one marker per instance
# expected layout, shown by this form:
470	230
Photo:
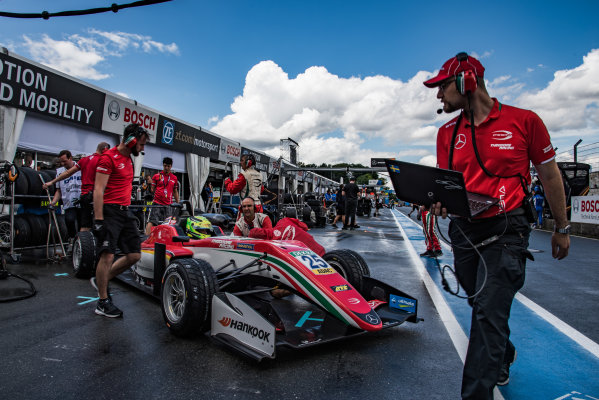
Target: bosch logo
461	141
114	110
575	205
168	132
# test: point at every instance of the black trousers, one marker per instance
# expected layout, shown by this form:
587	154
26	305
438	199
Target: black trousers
72	217
351	205
500	267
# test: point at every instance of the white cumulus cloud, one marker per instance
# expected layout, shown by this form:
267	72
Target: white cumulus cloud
274	106
81	55
570	101
377	116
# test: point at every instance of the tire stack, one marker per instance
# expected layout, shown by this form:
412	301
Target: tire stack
31	229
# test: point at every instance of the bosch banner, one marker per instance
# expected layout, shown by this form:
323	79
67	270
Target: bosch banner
118	113
32	88
229	151
585	209
186	139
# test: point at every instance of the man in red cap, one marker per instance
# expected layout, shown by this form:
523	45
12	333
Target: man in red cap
492	144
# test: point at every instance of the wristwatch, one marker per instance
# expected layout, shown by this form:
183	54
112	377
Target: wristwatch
564	230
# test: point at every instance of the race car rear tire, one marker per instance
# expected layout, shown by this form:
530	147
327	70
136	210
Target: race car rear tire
84	255
346	265
188	286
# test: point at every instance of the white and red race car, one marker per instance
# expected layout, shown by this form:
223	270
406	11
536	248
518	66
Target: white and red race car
225	284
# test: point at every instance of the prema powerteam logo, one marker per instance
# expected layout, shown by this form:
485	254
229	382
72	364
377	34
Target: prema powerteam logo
168	132
245	327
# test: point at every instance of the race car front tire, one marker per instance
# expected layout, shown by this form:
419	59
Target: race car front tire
188	286
347	265
363	265
84	255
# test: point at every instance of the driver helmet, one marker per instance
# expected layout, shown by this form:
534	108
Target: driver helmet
198	227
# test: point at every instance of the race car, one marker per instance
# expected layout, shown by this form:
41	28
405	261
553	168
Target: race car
224	285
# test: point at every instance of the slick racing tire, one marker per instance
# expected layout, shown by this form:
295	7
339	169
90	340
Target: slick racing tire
84	255
188	286
361	262
346	265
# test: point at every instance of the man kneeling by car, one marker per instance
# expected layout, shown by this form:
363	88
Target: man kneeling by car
251	219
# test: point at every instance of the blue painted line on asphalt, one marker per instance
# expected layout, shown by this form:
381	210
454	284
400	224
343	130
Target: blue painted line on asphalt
549	366
89	299
63	274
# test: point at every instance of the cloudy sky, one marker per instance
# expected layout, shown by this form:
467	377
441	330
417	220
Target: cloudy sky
342	78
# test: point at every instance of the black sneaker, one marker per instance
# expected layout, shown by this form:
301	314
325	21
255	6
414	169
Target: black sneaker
92	280
334	225
437	253
356	226
107	309
504	373
428	253
345	227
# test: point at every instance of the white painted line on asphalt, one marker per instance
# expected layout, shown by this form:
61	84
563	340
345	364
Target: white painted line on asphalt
457	335
560	325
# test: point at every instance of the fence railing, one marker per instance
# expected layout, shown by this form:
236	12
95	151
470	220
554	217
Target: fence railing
588	154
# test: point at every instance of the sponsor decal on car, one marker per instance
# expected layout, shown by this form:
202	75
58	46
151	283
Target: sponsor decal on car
402	303
245	327
373	319
245	246
317	265
375	303
224	244
340	288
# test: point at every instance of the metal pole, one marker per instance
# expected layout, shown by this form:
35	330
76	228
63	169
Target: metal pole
576	150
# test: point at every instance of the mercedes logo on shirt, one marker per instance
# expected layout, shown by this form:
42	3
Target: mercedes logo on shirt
461	141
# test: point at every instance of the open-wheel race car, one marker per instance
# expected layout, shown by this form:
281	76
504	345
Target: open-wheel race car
226	285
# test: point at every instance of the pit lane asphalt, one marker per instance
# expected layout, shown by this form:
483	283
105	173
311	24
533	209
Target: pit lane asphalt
53	346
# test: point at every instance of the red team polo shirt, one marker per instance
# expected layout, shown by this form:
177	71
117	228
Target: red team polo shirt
120	183
164	186
506	141
88	165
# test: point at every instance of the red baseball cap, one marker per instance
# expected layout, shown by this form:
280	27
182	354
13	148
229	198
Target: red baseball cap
455	65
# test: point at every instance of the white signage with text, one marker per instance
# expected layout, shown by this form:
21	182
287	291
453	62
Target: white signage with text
585	209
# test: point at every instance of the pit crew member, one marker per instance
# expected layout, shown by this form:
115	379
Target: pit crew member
492	144
114	224
251	219
165	186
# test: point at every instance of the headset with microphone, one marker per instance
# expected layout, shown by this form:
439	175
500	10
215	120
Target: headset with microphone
133	133
466	80
250	160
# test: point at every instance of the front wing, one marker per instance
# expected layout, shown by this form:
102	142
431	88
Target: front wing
255	324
